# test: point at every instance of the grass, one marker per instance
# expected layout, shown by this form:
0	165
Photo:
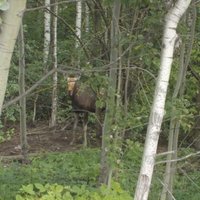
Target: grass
82	168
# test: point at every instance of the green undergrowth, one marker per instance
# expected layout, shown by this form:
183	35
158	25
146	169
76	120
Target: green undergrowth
74	168
74	175
60	192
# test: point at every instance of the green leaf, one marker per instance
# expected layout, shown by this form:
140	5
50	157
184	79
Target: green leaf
68	196
40	187
18	197
28	189
58	188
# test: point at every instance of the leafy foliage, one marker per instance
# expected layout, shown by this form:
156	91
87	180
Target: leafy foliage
141	25
76	168
75	174
55	191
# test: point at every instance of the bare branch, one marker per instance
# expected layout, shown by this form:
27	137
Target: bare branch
50	5
178	159
29	90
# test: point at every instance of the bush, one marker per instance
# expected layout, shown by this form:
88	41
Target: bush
72	168
60	192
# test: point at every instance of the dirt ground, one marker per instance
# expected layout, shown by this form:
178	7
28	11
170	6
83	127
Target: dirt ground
41	138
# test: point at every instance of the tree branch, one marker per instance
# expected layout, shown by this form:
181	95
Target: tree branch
178	159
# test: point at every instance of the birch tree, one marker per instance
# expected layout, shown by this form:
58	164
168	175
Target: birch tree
78	21
47	25
8	35
54	64
87	18
78	28
157	111
46	49
174	129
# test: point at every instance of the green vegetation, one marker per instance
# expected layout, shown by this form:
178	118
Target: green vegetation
72	168
55	191
75	175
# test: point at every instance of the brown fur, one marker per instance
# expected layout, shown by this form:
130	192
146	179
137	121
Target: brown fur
83	101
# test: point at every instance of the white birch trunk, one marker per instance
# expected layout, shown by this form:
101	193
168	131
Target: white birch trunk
157	110
87	18
9	31
78	21
54	60
174	122
47	25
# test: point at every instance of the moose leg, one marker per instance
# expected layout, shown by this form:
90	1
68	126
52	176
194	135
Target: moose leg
74	127
85	122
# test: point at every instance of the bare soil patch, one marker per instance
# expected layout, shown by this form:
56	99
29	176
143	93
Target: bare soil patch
41	138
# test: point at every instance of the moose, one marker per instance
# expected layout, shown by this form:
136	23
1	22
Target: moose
83	99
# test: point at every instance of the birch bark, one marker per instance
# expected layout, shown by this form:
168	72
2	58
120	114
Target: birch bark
8	35
47	25
174	122
78	30
157	111
87	18
78	21
54	63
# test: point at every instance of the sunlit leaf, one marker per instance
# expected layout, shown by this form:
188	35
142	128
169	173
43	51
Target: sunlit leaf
28	189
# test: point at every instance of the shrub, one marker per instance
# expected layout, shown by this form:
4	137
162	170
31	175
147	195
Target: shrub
60	192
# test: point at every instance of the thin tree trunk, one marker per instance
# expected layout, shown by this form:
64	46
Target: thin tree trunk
78	21
87	18
8	35
23	131
78	31
96	27
174	123
54	63
35	108
106	170
127	74
167	189
47	32
157	111
46	49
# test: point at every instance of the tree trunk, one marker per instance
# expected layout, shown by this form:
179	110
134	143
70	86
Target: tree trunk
23	132
106	170
35	108
87	18
157	110
47	31
78	30
54	63
175	123
8	35
78	21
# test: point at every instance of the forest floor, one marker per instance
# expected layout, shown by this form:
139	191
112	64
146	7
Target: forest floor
41	138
